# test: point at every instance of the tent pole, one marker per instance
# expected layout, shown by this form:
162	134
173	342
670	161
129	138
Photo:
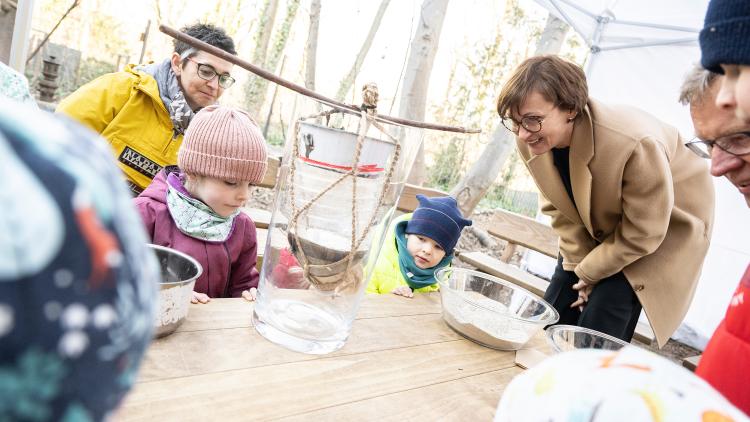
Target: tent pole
568	20
659	26
579	8
650	44
601	22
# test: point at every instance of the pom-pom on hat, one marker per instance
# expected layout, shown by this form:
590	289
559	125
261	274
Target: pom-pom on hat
439	219
224	142
725	37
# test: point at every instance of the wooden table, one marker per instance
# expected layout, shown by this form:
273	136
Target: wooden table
401	362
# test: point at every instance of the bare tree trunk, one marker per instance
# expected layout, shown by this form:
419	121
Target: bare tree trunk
52	31
472	188
311	51
417	76
348	81
262	38
274	55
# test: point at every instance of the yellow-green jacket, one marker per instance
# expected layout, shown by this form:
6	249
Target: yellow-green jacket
125	108
386	275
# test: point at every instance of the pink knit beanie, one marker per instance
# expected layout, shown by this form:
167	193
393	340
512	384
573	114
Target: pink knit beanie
223	142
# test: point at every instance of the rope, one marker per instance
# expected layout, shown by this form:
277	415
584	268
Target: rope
368	117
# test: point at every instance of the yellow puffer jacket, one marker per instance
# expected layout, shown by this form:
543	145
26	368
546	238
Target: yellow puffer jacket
386	275
125	108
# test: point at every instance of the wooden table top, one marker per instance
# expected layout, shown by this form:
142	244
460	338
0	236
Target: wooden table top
401	362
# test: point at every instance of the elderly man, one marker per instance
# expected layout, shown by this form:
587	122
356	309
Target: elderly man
143	111
724	138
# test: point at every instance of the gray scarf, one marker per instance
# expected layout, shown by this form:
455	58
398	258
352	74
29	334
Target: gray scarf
171	95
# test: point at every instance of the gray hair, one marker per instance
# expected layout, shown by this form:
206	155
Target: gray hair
695	85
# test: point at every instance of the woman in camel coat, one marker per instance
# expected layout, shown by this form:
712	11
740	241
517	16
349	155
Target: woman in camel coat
633	207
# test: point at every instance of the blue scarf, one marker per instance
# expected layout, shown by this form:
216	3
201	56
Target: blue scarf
415	277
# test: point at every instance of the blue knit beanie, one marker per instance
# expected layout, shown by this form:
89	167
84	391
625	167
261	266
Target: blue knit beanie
439	219
725	37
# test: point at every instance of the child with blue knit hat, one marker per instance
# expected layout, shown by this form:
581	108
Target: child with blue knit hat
416	246
725	49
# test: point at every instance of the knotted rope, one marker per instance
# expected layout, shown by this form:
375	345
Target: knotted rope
347	271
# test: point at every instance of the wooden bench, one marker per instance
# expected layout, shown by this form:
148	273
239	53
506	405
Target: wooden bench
691	362
408	201
262	218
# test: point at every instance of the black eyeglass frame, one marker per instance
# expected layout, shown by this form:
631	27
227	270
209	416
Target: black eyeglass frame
515	127
225	79
725	143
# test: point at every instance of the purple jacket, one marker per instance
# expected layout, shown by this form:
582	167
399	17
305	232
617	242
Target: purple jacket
228	267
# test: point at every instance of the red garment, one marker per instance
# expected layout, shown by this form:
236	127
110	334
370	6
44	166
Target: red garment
287	274
228	267
725	363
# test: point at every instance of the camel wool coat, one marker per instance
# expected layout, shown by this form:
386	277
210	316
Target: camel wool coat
644	205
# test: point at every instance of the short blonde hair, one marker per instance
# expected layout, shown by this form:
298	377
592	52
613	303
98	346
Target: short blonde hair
559	81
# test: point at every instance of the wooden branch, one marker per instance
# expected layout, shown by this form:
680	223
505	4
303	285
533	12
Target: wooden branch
346	108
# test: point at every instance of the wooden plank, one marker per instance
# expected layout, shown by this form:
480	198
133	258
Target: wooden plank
261	236
235	313
192	353
408	201
524	231
278	242
532	283
644	333
272	172
515	275
296	388
469	398
261	218
691	362
529	358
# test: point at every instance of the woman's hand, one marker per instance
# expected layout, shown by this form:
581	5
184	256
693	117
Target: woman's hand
404	291
584	290
200	298
250	295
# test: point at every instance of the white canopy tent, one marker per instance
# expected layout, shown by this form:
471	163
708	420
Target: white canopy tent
640	52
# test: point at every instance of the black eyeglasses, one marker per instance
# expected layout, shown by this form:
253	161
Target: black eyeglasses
208	73
736	144
532	124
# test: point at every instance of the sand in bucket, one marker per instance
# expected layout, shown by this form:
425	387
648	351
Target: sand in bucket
330	263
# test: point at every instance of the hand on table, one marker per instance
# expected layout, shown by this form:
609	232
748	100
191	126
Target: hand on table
200	298
404	291
250	295
584	290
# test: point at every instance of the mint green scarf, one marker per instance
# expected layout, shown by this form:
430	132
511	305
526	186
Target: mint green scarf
415	277
196	219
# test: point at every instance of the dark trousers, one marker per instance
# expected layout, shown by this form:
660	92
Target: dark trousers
613	308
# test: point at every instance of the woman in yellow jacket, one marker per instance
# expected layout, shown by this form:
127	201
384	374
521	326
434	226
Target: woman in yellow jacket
417	245
143	111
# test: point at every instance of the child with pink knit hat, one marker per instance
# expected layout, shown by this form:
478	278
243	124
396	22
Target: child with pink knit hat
194	207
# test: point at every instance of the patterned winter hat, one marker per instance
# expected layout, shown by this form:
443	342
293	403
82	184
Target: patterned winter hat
224	142
439	219
725	37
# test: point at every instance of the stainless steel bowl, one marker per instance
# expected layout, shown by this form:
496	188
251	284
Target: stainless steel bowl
178	274
563	338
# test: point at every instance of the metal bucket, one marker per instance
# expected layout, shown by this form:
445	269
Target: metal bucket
178	273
